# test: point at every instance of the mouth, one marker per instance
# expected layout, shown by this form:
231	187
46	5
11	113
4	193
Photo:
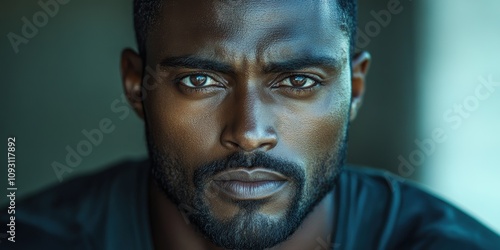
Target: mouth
250	184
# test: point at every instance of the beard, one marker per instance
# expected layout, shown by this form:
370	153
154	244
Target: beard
248	229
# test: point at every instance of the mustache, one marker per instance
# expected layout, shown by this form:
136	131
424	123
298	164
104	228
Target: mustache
246	160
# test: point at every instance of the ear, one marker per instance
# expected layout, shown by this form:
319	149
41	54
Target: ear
131	71
360	65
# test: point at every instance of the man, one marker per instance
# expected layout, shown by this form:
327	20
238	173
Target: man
247	106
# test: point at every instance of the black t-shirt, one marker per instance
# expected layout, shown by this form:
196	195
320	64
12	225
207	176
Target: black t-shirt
109	210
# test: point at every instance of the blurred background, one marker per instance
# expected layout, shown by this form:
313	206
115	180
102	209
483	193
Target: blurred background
431	111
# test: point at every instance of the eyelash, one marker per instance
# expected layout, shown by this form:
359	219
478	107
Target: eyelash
178	81
298	90
290	89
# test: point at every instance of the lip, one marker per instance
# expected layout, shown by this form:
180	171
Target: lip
249	175
250	184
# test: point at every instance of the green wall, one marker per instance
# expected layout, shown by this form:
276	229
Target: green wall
61	82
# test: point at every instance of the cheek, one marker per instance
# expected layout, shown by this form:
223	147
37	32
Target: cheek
316	134
181	127
316	129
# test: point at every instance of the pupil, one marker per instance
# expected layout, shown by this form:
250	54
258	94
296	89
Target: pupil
298	81
198	80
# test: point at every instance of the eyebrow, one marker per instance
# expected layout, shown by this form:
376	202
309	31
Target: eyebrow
302	63
192	62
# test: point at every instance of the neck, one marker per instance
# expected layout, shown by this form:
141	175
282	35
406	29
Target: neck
171	230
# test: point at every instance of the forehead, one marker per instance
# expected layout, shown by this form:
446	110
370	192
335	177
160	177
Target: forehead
259	30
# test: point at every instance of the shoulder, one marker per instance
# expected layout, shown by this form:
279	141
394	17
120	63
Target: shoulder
62	216
366	201
406	216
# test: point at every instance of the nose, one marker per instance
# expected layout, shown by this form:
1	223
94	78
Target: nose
250	124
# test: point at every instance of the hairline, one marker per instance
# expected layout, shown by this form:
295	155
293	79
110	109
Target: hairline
143	21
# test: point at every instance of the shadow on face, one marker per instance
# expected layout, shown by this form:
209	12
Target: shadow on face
267	82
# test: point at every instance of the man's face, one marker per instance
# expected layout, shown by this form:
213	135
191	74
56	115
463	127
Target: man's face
247	121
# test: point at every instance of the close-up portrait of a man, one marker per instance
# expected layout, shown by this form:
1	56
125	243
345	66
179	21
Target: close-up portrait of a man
245	110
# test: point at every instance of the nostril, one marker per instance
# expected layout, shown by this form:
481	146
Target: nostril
249	143
230	144
268	146
256	141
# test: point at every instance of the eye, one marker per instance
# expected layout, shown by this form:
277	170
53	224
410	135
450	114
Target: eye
199	81
298	82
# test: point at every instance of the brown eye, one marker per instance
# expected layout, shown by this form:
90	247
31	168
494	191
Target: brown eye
199	81
298	82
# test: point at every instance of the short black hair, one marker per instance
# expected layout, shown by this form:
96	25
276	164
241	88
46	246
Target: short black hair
146	13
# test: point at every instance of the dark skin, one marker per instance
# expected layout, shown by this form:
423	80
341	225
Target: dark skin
270	76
